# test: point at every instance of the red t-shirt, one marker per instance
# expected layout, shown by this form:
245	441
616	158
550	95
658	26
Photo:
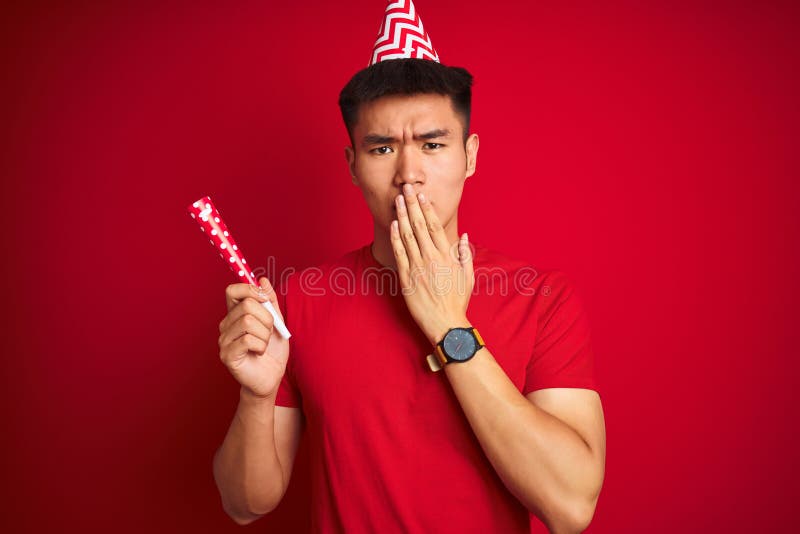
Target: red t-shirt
390	447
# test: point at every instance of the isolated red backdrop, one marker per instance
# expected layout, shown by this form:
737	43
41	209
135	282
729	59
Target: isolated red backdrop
649	150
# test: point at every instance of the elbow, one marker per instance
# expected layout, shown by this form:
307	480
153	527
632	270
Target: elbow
243	520
577	519
578	513
246	515
584	517
239	510
568	516
243	517
240	520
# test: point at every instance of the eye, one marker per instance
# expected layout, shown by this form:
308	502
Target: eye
379	150
438	145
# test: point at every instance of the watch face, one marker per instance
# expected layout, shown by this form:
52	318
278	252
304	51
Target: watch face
459	344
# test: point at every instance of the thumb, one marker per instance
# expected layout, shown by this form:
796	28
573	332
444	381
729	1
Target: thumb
267	293
465	255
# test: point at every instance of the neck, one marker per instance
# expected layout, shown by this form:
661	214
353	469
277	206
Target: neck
382	244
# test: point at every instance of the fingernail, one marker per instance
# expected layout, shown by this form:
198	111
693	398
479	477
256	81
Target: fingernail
262	292
422	198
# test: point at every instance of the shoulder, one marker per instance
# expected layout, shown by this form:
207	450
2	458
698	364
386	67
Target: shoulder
521	276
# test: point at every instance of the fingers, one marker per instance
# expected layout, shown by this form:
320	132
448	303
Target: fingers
248	306
407	233
267	290
241	346
235	293
246	324
434	226
465	257
416	221
399	250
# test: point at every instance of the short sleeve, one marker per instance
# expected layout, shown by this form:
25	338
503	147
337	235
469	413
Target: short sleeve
288	393
562	354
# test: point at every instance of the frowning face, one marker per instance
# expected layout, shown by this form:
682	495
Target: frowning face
415	139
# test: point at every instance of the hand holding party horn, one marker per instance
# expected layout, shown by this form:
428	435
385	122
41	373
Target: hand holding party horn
207	216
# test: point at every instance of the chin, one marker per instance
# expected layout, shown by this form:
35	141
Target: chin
384	221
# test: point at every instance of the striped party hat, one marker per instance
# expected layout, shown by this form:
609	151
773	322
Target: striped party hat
401	35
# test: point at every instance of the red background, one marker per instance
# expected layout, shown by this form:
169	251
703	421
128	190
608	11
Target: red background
647	149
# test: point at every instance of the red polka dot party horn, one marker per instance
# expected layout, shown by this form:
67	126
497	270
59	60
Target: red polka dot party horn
205	213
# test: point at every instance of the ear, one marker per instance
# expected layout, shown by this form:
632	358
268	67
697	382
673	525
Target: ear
472	154
350	156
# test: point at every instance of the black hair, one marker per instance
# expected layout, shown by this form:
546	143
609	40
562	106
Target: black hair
406	76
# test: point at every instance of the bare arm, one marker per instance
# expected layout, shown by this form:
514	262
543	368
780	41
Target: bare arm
247	469
552	460
253	465
549	448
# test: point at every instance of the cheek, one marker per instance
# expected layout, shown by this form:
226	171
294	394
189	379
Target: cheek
371	196
455	164
445	205
378	201
448	198
372	179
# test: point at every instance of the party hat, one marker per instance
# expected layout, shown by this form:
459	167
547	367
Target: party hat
402	35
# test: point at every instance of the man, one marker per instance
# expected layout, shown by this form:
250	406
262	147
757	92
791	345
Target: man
509	427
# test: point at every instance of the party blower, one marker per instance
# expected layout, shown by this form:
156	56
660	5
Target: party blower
205	213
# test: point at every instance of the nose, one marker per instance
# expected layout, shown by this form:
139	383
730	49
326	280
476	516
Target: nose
409	168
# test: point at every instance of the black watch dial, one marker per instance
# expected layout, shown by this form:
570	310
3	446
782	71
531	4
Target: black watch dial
459	344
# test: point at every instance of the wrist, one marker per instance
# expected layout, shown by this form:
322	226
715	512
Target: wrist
247	395
435	335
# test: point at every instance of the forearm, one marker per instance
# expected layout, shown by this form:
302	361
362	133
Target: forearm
540	459
246	466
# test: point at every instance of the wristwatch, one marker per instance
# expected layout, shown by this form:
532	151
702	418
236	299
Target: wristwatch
458	345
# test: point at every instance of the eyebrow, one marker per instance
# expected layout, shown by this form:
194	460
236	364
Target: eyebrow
374	139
